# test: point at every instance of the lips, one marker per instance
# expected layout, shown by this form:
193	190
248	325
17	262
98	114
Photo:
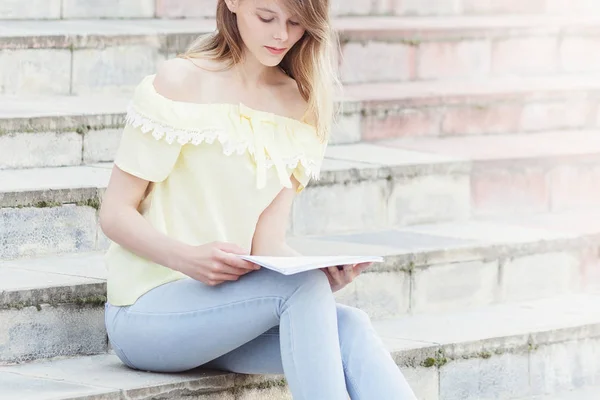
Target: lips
275	50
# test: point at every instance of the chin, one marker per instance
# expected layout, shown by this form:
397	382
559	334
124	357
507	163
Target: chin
271	62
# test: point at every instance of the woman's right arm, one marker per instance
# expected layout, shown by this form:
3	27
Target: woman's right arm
121	222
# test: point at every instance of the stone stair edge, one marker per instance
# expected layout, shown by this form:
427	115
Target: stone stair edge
71	34
82	113
80	279
528	337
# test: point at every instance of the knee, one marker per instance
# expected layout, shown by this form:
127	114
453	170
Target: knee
352	320
310	289
314	282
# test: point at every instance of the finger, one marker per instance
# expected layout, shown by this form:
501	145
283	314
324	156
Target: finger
359	268
222	268
349	273
232	248
218	278
233	260
335	274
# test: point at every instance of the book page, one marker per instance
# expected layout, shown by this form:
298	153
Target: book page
290	265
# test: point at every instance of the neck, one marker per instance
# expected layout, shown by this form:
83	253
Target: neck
252	72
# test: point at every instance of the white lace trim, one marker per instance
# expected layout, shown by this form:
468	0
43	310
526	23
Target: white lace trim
209	135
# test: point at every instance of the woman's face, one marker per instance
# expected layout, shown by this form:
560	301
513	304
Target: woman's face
267	29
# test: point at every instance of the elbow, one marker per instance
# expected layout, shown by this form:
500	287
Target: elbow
105	220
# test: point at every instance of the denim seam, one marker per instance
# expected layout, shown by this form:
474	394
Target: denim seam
351	381
126	359
291	336
133	312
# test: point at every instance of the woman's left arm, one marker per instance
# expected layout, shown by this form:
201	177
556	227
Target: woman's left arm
270	238
270	234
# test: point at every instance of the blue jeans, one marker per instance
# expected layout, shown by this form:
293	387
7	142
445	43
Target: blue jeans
264	323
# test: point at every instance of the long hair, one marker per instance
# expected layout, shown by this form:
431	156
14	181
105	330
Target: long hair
311	62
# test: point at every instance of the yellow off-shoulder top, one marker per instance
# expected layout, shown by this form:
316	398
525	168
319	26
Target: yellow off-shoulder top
214	168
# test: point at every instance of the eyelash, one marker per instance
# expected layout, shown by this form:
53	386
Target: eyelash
270	20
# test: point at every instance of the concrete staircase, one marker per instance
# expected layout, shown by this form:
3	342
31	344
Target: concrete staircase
468	154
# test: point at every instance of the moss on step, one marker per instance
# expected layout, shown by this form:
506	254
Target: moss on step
92	202
279	383
80	129
438	361
41	204
93	301
97	300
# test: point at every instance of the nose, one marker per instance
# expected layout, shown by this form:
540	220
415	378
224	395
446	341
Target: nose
282	33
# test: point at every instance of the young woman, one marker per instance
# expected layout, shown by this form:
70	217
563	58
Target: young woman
216	145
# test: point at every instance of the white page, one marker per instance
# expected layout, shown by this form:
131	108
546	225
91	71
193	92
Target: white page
293	265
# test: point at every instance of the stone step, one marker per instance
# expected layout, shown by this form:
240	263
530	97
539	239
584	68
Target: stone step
509	351
523	174
54	210
53	306
49	131
88	56
499	106
384	185
586	393
69	9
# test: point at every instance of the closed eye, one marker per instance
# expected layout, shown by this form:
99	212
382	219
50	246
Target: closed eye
294	23
266	20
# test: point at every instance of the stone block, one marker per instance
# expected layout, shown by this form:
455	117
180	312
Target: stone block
14	386
454	286
101	145
563	114
539	275
459	59
484	119
429	198
580	54
36	9
351	7
108	9
525	56
35	71
347	129
477	378
504	6
410	122
39	149
36	231
185	8
574	187
377	62
341	208
114	69
423	381
52	331
429	7
501	191
563	7
564	366
272	393
380	294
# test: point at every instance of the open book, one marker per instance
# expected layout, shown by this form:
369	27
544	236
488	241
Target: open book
294	265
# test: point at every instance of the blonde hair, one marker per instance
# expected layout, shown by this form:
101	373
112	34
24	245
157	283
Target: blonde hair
310	62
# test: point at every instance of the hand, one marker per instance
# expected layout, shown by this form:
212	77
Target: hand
214	263
339	277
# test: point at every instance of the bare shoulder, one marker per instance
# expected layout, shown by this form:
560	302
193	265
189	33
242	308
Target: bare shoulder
180	78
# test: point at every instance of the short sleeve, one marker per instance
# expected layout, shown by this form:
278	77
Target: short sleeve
310	168
142	155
